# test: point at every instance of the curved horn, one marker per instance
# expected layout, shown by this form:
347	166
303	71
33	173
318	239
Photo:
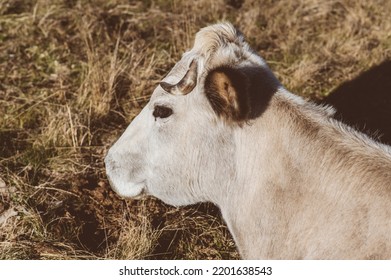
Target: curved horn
186	84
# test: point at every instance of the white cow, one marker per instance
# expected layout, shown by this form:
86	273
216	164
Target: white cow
291	182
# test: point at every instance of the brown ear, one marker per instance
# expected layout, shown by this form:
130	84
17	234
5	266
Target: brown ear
240	94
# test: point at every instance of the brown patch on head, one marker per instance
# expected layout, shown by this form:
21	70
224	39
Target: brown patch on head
240	94
222	95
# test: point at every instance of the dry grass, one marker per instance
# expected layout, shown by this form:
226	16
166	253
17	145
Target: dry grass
73	74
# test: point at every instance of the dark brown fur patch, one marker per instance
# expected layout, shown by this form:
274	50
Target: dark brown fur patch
240	94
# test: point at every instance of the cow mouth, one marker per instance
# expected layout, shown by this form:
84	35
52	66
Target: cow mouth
128	189
141	195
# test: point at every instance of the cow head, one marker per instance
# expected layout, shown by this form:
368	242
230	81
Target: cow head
181	147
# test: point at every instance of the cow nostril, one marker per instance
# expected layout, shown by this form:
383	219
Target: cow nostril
109	163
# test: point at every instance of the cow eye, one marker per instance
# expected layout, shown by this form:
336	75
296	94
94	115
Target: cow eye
162	112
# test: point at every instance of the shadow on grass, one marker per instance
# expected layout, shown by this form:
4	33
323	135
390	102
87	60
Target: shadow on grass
365	102
194	232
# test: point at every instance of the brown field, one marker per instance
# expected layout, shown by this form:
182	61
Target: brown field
74	73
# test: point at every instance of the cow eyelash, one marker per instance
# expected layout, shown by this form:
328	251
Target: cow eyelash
162	112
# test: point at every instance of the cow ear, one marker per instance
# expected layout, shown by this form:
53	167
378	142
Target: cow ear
240	94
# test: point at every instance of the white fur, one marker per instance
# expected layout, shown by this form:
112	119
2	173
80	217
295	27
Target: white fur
291	184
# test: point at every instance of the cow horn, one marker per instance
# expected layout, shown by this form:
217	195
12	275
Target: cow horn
186	84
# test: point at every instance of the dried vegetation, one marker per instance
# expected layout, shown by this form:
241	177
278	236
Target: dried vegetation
74	73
